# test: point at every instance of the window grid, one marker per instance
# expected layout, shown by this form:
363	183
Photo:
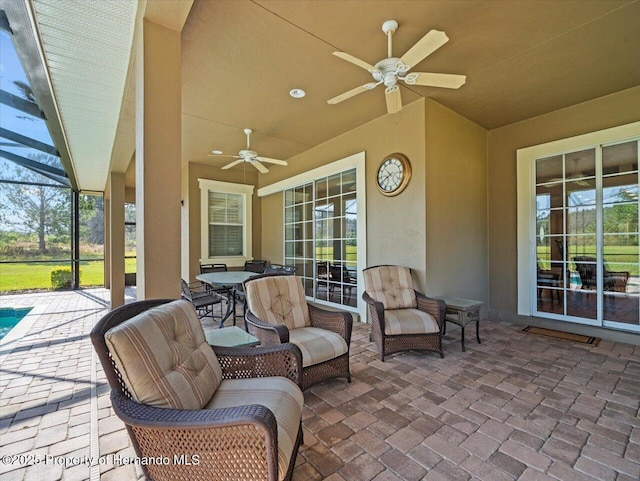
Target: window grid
320	236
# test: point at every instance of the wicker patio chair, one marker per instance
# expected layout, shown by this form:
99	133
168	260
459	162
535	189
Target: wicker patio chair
277	312
611	280
182	400
402	319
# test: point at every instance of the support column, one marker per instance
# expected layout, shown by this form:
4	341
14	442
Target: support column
116	239
107	240
158	150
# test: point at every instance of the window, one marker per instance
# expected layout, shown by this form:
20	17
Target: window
320	236
325	230
579	201
226	222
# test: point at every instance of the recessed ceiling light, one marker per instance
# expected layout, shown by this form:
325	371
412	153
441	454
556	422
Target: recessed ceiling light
297	93
216	152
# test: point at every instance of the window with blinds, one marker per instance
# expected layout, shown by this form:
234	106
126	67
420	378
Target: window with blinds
225	222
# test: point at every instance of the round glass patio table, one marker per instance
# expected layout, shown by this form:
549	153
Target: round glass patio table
230	281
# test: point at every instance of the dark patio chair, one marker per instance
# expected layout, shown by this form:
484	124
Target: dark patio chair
208	412
201	298
280	269
611	280
256	265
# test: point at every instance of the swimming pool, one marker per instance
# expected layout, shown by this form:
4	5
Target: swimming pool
9	317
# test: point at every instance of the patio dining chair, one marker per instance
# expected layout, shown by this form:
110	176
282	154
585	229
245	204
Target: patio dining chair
280	269
178	396
258	266
201	298
402	319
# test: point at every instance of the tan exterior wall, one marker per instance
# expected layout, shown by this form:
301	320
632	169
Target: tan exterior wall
610	111
391	238
456	205
447	154
191	172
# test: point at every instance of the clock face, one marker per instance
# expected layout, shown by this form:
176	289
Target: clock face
393	174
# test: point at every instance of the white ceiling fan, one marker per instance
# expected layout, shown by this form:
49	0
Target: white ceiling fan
391	69
250	156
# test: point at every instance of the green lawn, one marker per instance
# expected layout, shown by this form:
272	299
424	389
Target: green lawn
619	258
20	277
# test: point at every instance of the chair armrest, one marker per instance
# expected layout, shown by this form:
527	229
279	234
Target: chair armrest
340	322
267	333
169	432
263	361
435	307
376	309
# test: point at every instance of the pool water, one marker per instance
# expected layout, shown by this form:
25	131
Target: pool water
9	317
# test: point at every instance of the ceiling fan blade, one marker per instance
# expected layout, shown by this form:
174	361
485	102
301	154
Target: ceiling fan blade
394	100
428	44
443	80
235	162
259	166
352	92
355	61
220	155
272	161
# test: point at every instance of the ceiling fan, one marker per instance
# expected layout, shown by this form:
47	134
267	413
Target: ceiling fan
391	69
250	156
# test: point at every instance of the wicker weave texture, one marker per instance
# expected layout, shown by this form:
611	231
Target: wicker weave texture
235	443
389	344
340	322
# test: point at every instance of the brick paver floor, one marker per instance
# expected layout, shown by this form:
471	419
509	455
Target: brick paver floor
517	406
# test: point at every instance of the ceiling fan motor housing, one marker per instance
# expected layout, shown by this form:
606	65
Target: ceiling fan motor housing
248	154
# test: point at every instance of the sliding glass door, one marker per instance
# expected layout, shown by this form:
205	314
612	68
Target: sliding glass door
321	237
587	254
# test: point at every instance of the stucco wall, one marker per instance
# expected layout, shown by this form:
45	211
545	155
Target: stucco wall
456	205
605	112
191	210
437	226
396	225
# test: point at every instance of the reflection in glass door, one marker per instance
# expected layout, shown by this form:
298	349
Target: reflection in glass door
321	237
587	250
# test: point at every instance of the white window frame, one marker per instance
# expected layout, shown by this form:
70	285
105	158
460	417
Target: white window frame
526	193
206	186
357	162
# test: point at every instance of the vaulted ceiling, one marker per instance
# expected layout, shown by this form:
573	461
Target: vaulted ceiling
240	59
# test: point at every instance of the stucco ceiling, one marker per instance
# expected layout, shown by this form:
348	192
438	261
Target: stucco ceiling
521	58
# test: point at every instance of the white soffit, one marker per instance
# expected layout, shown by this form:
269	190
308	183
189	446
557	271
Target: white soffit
87	46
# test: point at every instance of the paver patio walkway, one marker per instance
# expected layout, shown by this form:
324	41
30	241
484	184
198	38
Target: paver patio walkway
516	406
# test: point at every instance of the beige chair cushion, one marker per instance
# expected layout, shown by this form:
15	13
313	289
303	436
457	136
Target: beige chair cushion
281	396
278	300
317	345
164	358
409	321
391	285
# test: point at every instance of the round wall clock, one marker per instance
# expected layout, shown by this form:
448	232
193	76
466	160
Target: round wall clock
394	174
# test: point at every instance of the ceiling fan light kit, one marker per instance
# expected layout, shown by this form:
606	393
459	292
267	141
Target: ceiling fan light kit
250	156
390	70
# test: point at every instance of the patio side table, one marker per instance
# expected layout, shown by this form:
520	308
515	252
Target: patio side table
230	337
462	312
